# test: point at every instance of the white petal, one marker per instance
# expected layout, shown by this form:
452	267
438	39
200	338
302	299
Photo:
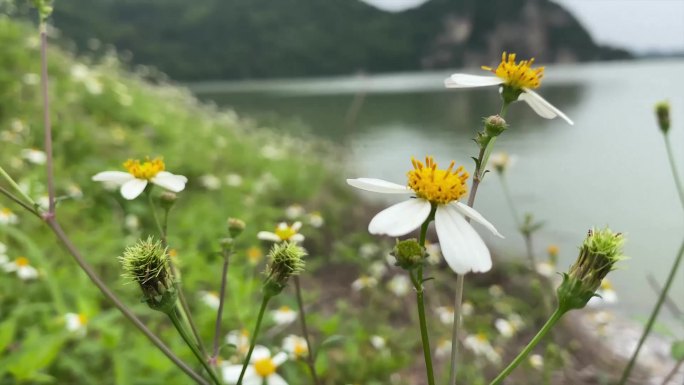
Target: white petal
253	378
477	217
133	188
260	352
27	273
379	186
468	81
231	373
279	358
118	177
296	226
297	238
268	236
541	106
275	379
172	182
462	247
401	218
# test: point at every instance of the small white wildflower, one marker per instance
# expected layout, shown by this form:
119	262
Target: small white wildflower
378	342
261	370
364	282
210	298
434	253
606	295
295	346
76	323
377	269
445	314
294	211
399	285
496	291
480	345
536	361
443	348
283	233
316	219
22	268
240	340
368	250
546	268
284	315
467	308
134	182
7	217
34	155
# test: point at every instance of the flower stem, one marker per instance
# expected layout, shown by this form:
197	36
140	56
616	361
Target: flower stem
521	356
46	120
653	316
219	314
260	317
417	280
305	331
178	323
18	201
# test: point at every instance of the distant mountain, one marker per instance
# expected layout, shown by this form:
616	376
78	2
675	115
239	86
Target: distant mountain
237	39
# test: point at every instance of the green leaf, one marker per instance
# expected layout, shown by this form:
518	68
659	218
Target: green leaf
7	330
677	351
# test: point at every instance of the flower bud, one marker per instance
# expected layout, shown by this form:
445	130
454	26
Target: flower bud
662	110
409	254
597	257
284	260
235	227
147	263
494	125
167	199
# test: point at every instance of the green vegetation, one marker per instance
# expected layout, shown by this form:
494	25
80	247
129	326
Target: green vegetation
238	39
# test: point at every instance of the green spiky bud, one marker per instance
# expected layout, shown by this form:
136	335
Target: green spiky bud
599	253
284	260
235	227
409	254
147	263
662	110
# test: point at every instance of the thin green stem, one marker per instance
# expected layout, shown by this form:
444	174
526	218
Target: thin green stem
305	331
219	313
178	323
675	172
417	280
46	120
523	354
19	191
153	209
653	316
260	317
18	201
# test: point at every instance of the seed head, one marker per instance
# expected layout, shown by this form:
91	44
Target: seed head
284	260
409	254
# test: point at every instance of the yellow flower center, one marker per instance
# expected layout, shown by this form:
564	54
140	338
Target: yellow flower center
481	337
255	255
285	232
552	250
264	367
22	261
606	285
435	185
144	170
300	349
517	75
82	319
284	309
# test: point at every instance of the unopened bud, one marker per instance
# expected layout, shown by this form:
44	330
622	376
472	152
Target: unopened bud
167	199
284	260
235	227
494	125
662	110
409	254
147	263
599	253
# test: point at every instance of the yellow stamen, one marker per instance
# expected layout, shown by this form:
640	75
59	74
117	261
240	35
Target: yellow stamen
22	262
436	185
82	319
144	170
284	309
264	367
517	75
300	349
285	232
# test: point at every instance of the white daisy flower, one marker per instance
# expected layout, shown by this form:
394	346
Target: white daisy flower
295	346
22	267
261	369
378	342
377	269
606	295
364	282
516	79
76	323
294	211
467	308
210	298
134	181
500	162
33	155
316	219
436	191
480	345
536	361
284	315
7	217
240	340
283	232
443	348
445	314
505	328
368	250
546	269
399	285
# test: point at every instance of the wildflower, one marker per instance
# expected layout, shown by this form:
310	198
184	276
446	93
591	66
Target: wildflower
368	250
134	181
255	255
364	282
283	233
501	161
210	182
408	254
233	180
399	285
210	298
445	314
43	202
74	191
285	260
284	315
7	217
536	361
22	267
480	345
34	156
131	222
378	342
294	211
443	348
81	73
295	346
605	294
316	219
517	81
496	291
272	152
546	268
437	192
506	328
467	308
240	340
76	323
261	370
553	251
377	269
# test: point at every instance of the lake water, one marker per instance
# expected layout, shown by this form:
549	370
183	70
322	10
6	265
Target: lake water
610	168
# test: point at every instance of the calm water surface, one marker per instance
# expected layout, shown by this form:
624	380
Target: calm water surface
610	168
